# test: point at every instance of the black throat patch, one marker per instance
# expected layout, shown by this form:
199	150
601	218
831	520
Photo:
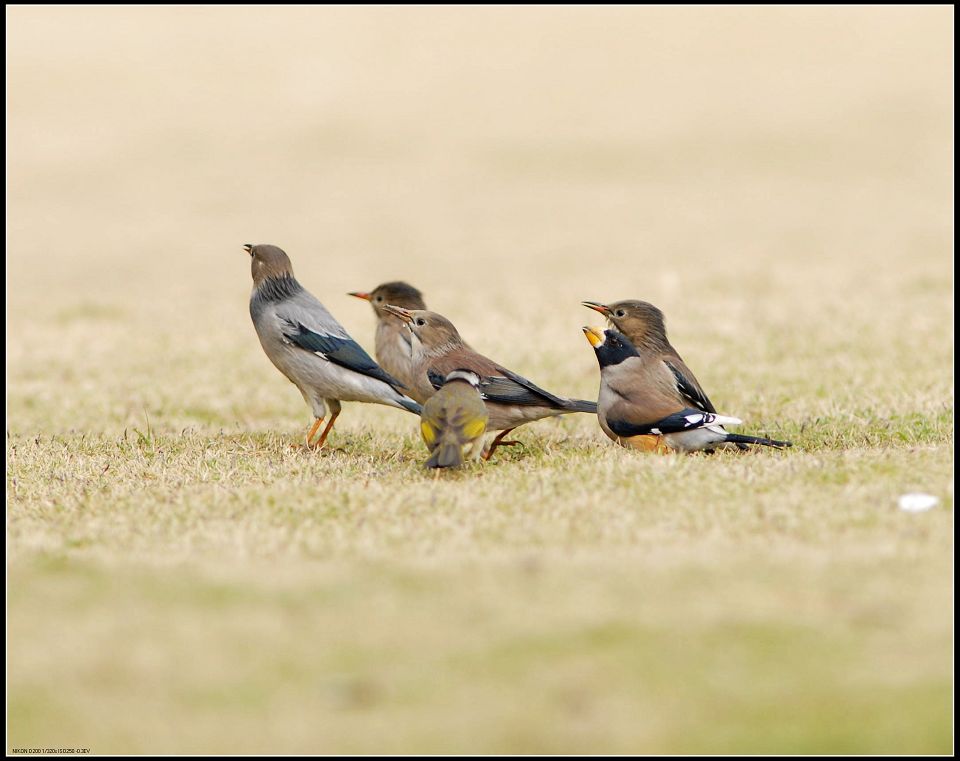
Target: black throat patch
615	349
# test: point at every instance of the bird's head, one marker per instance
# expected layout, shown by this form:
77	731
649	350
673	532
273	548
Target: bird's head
396	293
432	330
639	320
267	262
611	346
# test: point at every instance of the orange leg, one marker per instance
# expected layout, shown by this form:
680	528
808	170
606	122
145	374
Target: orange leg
323	436
499	442
313	430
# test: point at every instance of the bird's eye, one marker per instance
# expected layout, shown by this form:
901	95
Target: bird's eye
621	313
379	299
421	321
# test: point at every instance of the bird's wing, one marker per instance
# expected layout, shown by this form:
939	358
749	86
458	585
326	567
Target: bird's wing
510	384
687	384
497	383
429	430
684	420
435	378
307	310
469	419
466	421
510	388
341	350
506	387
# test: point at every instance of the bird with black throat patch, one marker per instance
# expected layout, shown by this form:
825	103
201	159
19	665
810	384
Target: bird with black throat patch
314	351
643	405
511	399
645	326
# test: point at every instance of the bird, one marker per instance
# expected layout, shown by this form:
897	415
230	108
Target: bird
511	399
392	340
643	324
454	419
312	349
642	403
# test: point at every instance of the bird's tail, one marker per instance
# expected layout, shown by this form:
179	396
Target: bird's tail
739	440
580	405
448	454
409	405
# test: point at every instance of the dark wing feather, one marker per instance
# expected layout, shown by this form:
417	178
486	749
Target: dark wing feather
510	388
341	351
500	385
687	385
684	420
435	378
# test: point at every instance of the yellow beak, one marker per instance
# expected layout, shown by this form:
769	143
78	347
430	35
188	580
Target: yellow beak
594	336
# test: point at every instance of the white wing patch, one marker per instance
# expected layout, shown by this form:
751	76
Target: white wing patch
725	420
707	420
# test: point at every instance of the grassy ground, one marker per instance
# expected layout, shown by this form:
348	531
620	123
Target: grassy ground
182	579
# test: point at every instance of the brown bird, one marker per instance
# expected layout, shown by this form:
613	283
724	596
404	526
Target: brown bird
392	341
644	325
511	399
642	405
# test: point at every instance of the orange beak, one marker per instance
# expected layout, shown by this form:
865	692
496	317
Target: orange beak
601	308
360	295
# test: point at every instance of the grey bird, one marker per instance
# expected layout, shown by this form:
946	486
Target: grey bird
511	399
644	405
392	343
306	344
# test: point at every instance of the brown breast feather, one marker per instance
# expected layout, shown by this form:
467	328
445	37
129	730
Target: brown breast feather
645	391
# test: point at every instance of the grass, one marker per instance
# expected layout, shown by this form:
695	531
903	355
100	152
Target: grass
183	578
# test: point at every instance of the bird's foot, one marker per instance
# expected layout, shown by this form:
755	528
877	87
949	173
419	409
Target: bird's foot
316	425
498	442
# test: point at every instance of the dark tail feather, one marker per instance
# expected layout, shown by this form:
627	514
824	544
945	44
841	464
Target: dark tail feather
448	454
738	439
580	405
409	405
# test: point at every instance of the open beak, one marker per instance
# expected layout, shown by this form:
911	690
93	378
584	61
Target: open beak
248	247
594	336
601	308
400	312
360	295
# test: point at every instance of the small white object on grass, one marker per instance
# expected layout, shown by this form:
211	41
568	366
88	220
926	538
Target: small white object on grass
917	502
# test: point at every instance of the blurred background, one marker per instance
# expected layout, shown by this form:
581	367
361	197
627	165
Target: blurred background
785	165
779	180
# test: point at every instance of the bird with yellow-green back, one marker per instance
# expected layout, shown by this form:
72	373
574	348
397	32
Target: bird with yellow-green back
454	419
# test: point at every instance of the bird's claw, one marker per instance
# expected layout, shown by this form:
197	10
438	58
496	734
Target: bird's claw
499	444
